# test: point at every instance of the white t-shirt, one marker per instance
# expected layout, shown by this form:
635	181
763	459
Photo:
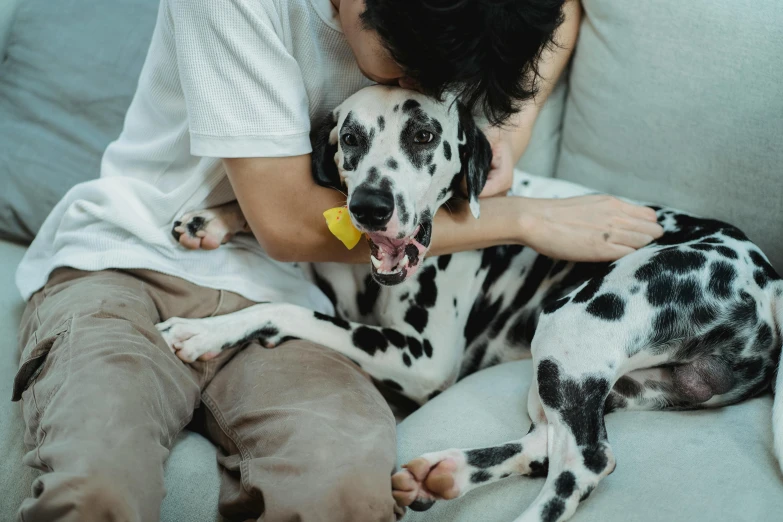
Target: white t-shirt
222	79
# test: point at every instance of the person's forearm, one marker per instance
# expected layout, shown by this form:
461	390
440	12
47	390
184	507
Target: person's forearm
553	62
302	235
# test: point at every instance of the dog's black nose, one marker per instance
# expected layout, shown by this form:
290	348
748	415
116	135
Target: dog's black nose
371	207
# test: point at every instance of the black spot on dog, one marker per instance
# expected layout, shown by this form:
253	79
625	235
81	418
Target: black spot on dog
443	261
417	317
392	385
579	402
497	260
195	224
499	323
614	402
176	235
673	260
480	317
687	292
427	348
365	300
726	252
722	275
565	484
381	122
489	457
539	469
744	311
666	327
407	360
764	336
505	475
431	169
427	295
455	302
559	266
533	280
414	346
396	108
627	387
609	307
369	340
586	494
594	458
325	287
353	154
480	476
372	175
394	337
522	330
340	323
764	272
433	395
472	362
589	290
703	315
410	105
392	164
447	150
552	510
443	194
555	306
634	289
402	211
404	297
659	289
261	335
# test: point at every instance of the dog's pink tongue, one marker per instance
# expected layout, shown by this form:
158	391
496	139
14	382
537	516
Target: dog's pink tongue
390	251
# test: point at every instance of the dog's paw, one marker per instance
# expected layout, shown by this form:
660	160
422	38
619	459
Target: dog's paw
191	339
431	477
204	229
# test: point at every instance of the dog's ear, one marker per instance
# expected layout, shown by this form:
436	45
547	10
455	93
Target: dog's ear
324	140
475	155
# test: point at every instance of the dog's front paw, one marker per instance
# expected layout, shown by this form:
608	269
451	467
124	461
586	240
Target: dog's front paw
191	339
207	229
431	477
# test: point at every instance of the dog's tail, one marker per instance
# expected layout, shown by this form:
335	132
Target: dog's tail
777	407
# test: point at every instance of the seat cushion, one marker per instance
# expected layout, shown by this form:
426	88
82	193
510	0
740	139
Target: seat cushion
192	478
674	466
679	102
69	74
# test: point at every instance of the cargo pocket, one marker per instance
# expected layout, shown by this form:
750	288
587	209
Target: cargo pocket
34	356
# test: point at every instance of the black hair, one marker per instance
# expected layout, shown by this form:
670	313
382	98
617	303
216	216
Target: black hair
485	51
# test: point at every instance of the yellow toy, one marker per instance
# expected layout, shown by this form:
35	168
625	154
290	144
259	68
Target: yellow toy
340	224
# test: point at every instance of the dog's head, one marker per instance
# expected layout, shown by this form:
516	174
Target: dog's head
400	155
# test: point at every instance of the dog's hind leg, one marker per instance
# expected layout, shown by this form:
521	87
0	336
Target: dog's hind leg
445	475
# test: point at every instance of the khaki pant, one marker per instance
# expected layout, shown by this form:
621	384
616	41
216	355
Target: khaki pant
302	433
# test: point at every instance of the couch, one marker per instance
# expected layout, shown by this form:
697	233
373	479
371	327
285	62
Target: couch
666	101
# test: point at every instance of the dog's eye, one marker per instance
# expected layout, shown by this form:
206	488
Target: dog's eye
423	137
349	139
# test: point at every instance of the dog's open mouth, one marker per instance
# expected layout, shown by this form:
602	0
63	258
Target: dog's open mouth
393	260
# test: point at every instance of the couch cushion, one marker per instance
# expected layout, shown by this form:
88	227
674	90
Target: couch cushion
70	72
676	466
7	15
680	102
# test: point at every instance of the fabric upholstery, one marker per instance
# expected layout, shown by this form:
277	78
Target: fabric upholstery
679	103
68	77
674	466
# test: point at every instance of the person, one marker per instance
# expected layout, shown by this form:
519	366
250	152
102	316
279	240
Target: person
223	109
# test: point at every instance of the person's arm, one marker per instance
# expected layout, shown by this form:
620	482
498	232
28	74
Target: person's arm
284	209
510	141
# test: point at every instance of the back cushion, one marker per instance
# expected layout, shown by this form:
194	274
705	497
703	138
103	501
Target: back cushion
681	103
70	72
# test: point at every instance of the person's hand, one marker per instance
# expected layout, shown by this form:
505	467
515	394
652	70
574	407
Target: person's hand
587	228
501	173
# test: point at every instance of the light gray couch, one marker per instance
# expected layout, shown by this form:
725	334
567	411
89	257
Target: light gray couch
670	101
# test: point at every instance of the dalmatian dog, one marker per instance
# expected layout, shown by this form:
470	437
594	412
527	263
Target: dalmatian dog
693	320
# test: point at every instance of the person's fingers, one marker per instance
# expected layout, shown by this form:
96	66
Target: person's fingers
210	243
189	242
640	212
628	238
652	229
613	252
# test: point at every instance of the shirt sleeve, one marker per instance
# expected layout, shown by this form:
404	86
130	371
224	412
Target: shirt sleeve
244	91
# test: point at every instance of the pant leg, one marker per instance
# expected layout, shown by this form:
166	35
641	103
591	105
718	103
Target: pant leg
303	436
103	398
